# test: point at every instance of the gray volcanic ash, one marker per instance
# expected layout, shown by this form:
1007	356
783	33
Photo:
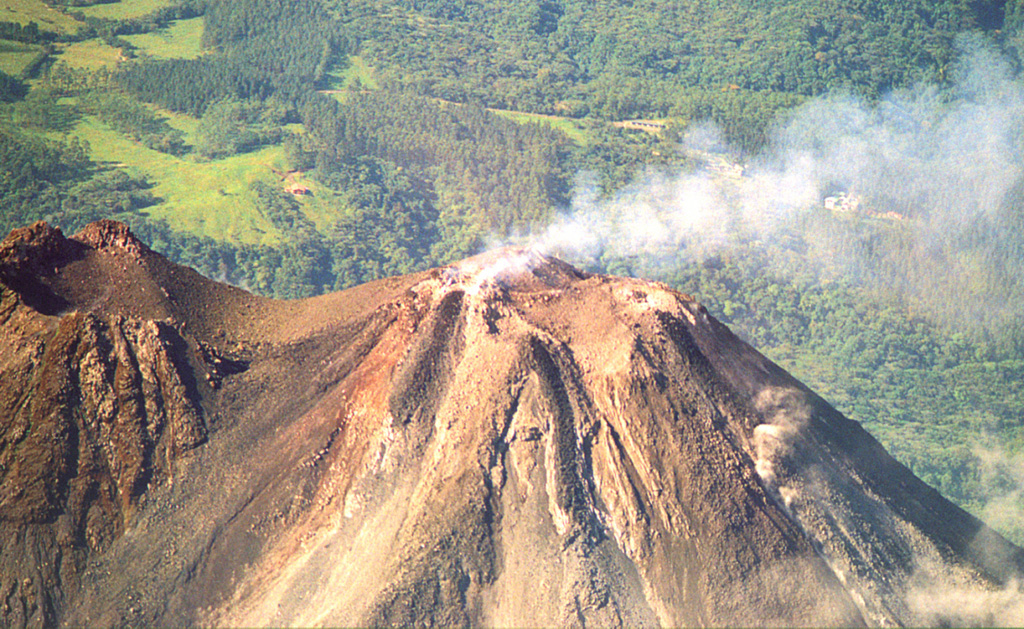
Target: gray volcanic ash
505	441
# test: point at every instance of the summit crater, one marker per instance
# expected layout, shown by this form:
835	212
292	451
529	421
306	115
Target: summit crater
503	441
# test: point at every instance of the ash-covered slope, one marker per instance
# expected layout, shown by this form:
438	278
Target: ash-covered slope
506	441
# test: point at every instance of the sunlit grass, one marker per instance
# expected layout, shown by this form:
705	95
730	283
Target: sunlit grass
568	126
91	54
207	198
184	123
180	40
356	73
14	56
124	9
48	19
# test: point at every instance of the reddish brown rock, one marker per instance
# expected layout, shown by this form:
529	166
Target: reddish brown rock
507	441
112	236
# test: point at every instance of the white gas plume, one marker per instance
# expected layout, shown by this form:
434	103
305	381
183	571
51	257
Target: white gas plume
935	604
918	193
1002	477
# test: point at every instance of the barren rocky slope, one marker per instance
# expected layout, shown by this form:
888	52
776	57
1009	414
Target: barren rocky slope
506	441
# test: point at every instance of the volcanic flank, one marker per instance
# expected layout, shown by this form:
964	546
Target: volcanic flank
505	441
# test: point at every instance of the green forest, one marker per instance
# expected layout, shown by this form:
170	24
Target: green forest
304	146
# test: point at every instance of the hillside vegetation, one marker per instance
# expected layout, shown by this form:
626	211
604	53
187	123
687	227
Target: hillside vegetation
298	147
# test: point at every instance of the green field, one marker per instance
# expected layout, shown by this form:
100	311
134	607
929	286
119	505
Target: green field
205	198
184	123
568	126
91	54
180	40
356	71
14	56
48	19
124	9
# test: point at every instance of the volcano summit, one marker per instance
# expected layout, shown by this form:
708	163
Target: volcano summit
504	441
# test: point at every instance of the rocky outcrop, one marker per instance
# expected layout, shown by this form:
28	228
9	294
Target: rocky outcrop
32	250
506	441
95	408
111	236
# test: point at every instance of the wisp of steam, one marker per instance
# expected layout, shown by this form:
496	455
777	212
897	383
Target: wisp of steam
938	170
941	169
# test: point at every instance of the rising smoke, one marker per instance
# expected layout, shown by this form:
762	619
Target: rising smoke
928	205
807	490
1002	478
934	174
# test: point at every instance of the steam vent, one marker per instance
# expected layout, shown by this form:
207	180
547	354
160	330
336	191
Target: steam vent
503	442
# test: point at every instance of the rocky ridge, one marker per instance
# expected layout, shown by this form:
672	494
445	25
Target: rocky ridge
95	407
505	441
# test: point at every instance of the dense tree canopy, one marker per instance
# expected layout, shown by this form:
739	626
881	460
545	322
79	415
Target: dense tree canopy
557	55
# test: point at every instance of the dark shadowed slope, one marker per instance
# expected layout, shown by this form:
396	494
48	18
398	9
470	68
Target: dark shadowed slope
506	441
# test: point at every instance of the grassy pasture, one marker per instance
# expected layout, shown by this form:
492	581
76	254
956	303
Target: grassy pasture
91	54
356	70
568	126
14	56
180	40
206	198
209	199
124	9
48	19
